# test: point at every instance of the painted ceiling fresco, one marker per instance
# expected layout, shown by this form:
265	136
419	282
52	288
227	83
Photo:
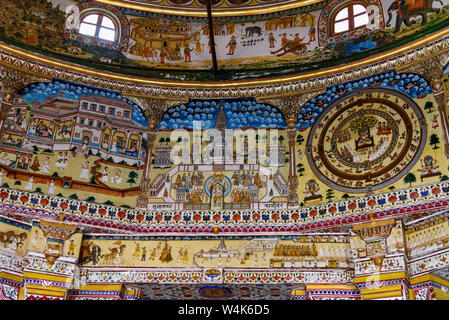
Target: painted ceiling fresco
169	47
78	142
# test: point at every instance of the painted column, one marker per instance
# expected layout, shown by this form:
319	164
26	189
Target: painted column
439	95
292	177
51	260
380	262
146	175
12	81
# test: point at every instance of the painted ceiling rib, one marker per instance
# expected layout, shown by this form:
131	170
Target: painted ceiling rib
211	38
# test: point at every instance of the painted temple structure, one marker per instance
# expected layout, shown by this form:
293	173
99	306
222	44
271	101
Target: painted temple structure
280	150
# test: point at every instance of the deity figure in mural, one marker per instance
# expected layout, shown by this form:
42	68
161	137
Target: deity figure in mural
4	159
166	253
84	174
85	145
105	176
36	165
435	121
137	250
429	167
51	188
46	165
60	161
22	163
117	178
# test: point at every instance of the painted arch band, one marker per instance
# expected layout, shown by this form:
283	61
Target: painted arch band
366	140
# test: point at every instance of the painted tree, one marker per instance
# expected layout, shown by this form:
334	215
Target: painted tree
346	196
299	139
410	178
301	169
132	176
391	188
362	123
434	140
330	194
428	106
444	178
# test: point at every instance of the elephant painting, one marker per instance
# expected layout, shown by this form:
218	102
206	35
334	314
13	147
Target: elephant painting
250	31
406	10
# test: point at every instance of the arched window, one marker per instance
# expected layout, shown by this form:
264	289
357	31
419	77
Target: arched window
99	26
350	17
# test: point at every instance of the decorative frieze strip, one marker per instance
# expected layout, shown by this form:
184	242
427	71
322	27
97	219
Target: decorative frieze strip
75	294
244	90
436	260
171	276
273	276
389	264
288	276
377	284
341	294
11	264
10	282
40	264
397	203
47	283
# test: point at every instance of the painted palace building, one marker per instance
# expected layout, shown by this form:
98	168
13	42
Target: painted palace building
280	150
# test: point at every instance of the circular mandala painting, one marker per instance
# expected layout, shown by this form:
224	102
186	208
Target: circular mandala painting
366	140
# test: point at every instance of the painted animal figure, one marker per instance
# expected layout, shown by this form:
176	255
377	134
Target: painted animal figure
291	47
114	254
250	31
405	12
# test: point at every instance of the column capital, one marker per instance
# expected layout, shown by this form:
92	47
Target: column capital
155	108
14	80
431	69
291	105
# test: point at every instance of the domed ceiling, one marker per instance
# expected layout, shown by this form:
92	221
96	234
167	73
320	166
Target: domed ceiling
170	39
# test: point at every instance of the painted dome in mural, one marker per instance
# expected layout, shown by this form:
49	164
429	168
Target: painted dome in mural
171	40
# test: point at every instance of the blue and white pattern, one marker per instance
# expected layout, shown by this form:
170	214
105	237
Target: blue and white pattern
240	113
411	84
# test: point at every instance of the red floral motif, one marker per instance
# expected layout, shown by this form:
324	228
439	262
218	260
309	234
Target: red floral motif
216	217
83	208
372	202
140	217
122	214
313	213
275	216
102	211
177	217
256	216
352	206
436	190
236	217
4	194
62	205
295	216
197	217
24	198
392	199
45	202
414	195
332	209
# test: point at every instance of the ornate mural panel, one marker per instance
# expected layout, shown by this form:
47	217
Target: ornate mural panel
366	140
282	42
